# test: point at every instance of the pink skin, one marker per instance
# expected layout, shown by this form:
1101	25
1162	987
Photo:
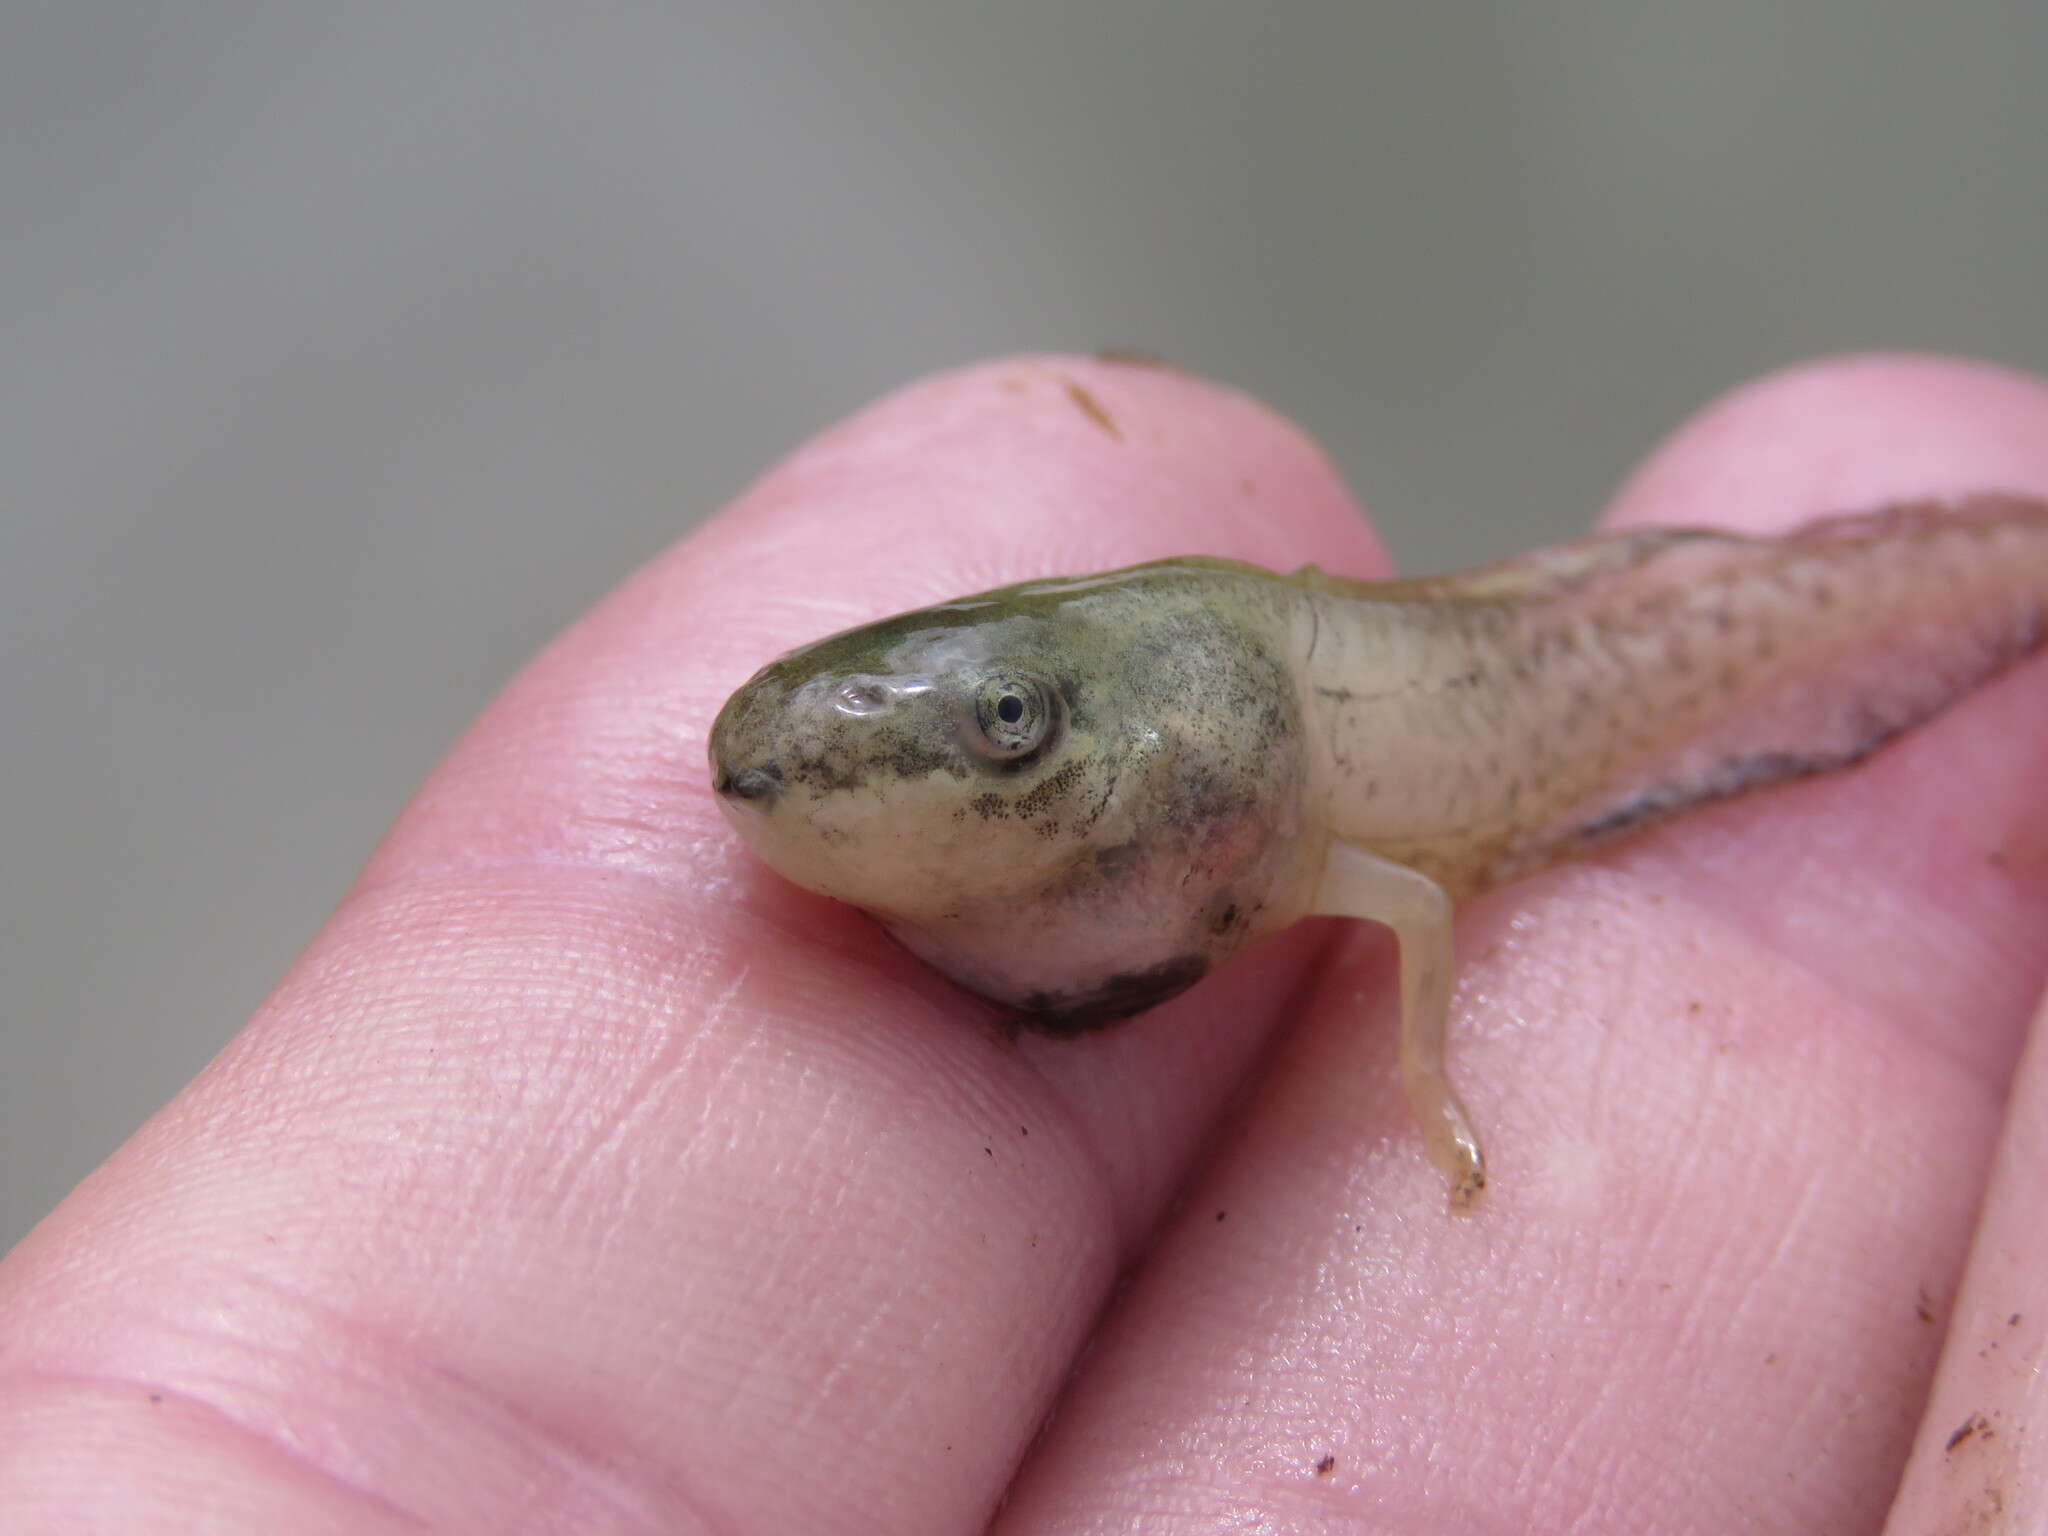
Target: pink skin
584	1176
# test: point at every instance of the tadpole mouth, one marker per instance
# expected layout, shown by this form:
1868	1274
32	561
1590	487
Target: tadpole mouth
759	785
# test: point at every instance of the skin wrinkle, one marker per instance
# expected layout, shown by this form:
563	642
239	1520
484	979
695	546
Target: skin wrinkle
610	1133
262	1416
265	1443
1718	1091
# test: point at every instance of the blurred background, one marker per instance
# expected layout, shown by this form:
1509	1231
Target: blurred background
348	351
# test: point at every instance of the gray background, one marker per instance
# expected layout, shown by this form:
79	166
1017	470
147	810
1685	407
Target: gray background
347	351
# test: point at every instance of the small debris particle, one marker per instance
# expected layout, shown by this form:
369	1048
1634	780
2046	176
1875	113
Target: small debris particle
1693	1006
1771	1359
1221	1214
1134	357
2013	1321
1092	409
1326	1466
1024	1130
1923	1308
1975	1424
156	1397
991	1151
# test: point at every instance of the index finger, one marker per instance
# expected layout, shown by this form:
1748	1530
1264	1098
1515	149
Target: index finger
581	1169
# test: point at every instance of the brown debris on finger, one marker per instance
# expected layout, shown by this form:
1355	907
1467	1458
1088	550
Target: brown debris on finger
1092	408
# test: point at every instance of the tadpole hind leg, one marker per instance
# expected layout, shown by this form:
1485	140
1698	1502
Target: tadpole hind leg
1360	884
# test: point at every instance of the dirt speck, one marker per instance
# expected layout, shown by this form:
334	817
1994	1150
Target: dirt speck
1975	1426
1221	1214
1326	1466
1923	1306
1092	409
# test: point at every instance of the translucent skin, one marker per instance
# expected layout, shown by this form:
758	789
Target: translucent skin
1483	726
1217	725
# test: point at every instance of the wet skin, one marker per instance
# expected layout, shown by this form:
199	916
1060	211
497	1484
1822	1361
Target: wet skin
1076	797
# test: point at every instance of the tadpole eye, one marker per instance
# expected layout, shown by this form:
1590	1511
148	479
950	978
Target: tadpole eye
1013	715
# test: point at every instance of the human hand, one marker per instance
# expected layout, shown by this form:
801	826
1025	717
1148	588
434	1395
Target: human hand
585	1176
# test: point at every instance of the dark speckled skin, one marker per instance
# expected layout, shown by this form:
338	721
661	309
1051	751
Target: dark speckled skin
1212	727
1158	827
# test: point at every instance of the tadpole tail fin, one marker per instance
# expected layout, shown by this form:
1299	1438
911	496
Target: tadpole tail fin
1792	656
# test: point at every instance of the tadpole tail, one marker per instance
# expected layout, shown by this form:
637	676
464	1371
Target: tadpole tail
1724	662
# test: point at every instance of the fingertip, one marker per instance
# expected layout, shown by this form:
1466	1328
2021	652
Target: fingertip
1052	463
1845	433
1880	877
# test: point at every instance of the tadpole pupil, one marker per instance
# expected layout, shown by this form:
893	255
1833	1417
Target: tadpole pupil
1009	709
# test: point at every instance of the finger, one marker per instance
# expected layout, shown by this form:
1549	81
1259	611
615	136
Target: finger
1916	845
1732	1179
584	1175
1976	1463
